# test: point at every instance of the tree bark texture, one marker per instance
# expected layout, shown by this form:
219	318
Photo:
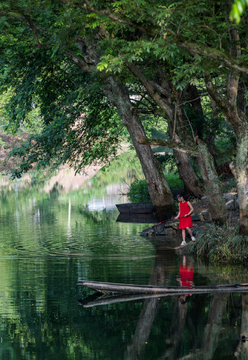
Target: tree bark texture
240	171
158	188
192	185
217	206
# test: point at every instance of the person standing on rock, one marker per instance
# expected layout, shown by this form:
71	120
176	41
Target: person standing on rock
184	216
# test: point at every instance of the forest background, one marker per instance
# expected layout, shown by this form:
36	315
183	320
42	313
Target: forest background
85	76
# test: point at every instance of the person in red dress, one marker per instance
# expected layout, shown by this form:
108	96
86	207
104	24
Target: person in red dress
184	216
186	278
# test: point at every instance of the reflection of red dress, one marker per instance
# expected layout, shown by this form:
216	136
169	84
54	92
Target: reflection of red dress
186	275
187	221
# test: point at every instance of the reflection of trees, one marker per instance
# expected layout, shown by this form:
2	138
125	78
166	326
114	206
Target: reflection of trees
142	331
49	321
204	338
242	348
216	311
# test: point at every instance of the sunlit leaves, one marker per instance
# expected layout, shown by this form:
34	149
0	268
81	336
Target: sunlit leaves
238	8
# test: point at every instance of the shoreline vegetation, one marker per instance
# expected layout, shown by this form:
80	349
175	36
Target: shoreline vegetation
221	244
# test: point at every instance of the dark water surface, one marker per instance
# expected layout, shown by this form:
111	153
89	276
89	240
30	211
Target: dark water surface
49	241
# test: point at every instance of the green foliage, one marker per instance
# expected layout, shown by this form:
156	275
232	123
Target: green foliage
221	244
138	191
50	90
226	146
238	8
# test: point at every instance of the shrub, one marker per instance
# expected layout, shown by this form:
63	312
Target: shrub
221	244
138	191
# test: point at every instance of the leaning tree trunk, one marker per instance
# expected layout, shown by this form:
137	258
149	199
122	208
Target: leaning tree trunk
192	185
162	96
217	206
240	171
158	188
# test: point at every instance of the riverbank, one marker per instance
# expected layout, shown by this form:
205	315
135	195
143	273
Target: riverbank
219	244
214	244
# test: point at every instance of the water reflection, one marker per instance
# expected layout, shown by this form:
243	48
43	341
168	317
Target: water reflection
207	327
50	240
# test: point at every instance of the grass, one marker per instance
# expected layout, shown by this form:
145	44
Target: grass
221	244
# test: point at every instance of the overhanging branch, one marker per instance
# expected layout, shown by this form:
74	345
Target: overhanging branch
190	150
211	53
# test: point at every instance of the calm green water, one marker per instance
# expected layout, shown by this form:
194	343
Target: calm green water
49	241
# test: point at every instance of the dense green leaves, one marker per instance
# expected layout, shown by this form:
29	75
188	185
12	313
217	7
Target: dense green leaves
56	62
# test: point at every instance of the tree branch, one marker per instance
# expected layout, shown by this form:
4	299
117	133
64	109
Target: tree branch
151	89
191	150
35	31
160	89
78	61
211	53
234	115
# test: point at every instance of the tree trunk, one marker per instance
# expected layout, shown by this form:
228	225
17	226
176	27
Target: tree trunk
185	133
117	94
192	185
217	206
240	171
158	188
187	174
239	122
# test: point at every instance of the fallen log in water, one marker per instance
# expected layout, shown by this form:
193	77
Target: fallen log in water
117	288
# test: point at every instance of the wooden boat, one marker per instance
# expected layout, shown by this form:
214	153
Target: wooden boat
117	288
137	218
136	208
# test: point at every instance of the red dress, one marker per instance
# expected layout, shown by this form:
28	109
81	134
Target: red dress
186	275
184	210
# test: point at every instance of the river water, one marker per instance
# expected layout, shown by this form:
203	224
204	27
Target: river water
51	238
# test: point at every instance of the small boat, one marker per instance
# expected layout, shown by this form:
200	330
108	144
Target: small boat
137	218
117	288
136	208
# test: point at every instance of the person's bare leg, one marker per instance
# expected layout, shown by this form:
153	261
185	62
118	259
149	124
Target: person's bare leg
190	233
183	234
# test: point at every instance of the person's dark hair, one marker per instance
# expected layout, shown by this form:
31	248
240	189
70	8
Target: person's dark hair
182	194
